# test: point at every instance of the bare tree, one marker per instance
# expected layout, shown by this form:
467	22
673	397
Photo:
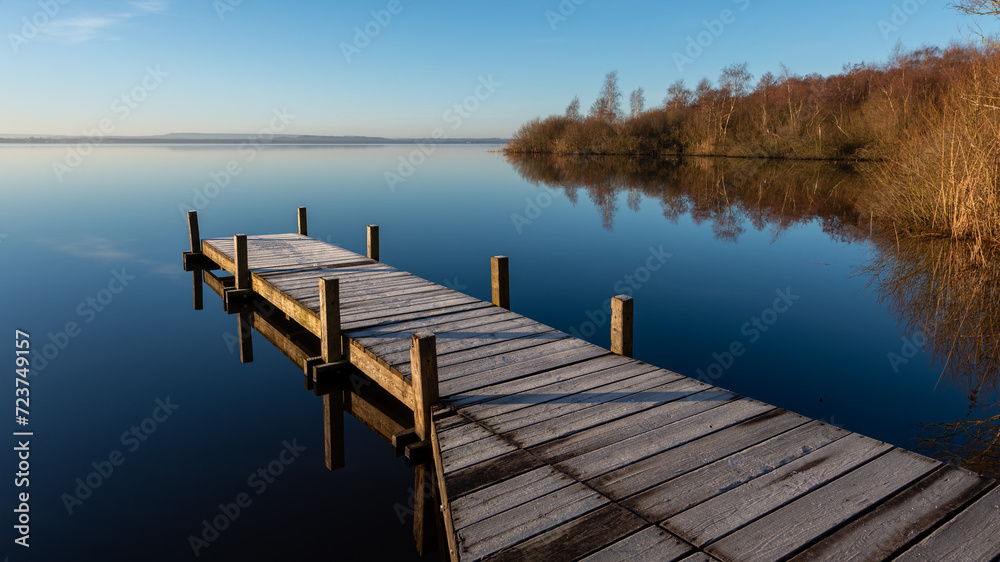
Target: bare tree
764	86
637	101
734	84
678	97
979	8
573	109
703	90
607	107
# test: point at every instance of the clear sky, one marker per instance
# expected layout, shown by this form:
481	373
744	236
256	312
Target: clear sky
335	68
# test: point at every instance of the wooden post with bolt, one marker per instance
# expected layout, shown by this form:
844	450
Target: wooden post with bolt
303	227
621	325
196	274
424	377
500	281
373	242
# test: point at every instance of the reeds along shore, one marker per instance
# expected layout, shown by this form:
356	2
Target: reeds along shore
928	120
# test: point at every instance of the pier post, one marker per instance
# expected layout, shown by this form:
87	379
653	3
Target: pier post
242	263
501	281
244	320
329	319
303	228
373	241
424	377
196	275
621	325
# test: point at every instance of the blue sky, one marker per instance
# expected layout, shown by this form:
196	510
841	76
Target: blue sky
160	66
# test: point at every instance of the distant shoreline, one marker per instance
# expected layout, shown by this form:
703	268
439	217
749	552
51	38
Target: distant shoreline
303	140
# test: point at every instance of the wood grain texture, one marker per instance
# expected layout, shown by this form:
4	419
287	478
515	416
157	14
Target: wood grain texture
805	519
683	492
899	521
652	544
745	503
970	535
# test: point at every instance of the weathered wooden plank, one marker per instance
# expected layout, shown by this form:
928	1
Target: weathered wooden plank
572	392
389	339
390	381
403	310
611	401
365	323
902	519
970	535
626	451
485	474
636	476
523	522
544	362
652	544
394	333
576	538
786	530
674	496
444	487
459	432
475	452
700	557
500	497
509	390
501	360
472	339
556	441
727	512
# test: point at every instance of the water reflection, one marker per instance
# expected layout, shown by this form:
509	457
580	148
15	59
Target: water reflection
731	194
941	292
945	295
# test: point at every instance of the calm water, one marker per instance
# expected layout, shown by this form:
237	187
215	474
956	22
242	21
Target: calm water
770	263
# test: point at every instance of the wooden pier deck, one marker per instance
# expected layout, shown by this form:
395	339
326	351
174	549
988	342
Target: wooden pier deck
534	445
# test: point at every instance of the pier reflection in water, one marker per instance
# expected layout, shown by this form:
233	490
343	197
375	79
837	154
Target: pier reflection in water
943	294
350	391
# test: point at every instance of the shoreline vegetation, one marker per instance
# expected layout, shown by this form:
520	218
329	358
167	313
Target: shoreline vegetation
924	126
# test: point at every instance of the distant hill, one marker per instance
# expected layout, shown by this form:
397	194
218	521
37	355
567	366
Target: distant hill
229	138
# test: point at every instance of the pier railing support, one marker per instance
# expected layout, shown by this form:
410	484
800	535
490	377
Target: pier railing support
303	227
500	281
621	325
329	319
373	242
424	377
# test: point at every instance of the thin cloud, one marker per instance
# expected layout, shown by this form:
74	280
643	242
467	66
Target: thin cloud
77	30
86	28
151	6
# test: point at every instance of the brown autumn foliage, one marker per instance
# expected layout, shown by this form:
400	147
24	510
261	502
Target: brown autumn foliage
862	113
929	119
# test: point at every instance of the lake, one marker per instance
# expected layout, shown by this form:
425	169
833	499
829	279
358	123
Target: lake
760	278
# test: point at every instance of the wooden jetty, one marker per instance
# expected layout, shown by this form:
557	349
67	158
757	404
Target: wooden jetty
533	445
